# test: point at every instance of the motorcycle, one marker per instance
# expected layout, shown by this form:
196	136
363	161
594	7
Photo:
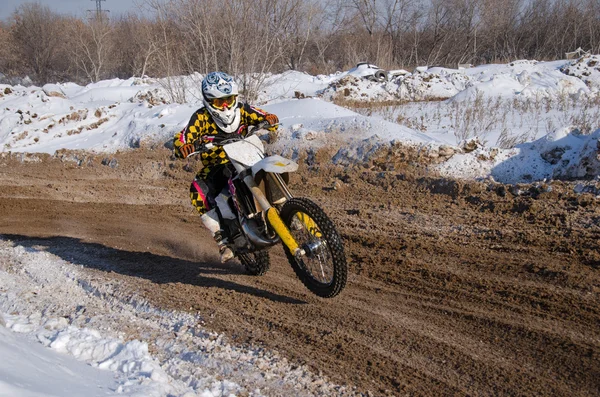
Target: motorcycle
257	211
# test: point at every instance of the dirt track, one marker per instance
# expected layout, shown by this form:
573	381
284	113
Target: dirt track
454	289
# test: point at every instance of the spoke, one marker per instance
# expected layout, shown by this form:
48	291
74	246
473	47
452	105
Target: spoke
318	261
322	273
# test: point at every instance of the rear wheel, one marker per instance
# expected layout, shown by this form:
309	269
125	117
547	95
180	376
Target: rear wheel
323	269
256	263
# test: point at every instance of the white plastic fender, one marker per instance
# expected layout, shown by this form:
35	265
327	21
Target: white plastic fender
246	152
275	164
250	152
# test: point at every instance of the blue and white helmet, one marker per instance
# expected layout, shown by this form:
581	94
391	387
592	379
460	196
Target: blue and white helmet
219	95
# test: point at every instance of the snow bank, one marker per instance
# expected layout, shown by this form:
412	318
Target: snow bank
432	84
562	154
27	369
587	69
323	119
482	101
135	372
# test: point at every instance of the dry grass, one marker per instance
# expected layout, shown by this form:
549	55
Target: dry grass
362	104
508	121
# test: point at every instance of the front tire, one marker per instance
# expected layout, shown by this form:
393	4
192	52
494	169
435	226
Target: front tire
256	263
323	270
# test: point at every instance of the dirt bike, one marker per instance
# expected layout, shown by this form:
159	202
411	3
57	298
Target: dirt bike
258	211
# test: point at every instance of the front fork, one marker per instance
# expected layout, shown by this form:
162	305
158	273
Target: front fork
273	217
311	226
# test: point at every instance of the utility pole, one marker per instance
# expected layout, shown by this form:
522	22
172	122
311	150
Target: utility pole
99	11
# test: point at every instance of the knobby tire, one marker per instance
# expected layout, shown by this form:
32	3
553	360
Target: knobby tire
334	246
256	263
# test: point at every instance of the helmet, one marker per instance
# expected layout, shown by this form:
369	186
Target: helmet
219	95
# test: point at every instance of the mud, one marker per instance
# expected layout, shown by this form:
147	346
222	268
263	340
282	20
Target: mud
454	288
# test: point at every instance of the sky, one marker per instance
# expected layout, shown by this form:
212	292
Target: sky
72	7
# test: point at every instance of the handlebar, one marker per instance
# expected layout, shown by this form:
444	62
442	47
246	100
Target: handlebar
205	147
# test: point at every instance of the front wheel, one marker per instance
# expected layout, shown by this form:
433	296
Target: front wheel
323	269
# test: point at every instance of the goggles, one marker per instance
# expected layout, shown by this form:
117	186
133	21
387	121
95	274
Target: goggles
222	103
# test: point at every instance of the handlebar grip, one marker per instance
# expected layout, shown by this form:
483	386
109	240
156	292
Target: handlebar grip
263	125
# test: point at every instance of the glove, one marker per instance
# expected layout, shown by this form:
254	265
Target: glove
272	119
186	150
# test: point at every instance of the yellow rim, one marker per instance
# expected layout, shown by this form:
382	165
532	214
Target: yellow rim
310	224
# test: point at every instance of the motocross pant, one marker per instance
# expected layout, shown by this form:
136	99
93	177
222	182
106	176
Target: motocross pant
204	190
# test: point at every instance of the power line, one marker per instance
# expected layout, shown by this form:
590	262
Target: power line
99	11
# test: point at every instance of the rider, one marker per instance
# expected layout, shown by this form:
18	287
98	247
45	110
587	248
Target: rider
221	116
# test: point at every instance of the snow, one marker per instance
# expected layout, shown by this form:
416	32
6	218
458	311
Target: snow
523	121
62	334
321	123
502	105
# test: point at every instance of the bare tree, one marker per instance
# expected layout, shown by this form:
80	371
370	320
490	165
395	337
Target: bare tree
10	62
335	17
535	26
368	13
436	31
172	45
138	45
299	19
36	32
398	20
249	38
592	11
93	45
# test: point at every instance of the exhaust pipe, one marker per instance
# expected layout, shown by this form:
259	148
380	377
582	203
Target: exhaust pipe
256	238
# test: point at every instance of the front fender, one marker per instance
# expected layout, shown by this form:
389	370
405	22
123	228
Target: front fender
275	164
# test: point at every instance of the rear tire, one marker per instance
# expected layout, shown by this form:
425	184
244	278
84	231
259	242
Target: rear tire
323	270
380	76
256	263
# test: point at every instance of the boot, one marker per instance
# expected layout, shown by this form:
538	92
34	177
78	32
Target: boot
211	222
224	250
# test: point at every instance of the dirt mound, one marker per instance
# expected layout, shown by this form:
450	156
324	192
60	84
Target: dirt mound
455	288
586	68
